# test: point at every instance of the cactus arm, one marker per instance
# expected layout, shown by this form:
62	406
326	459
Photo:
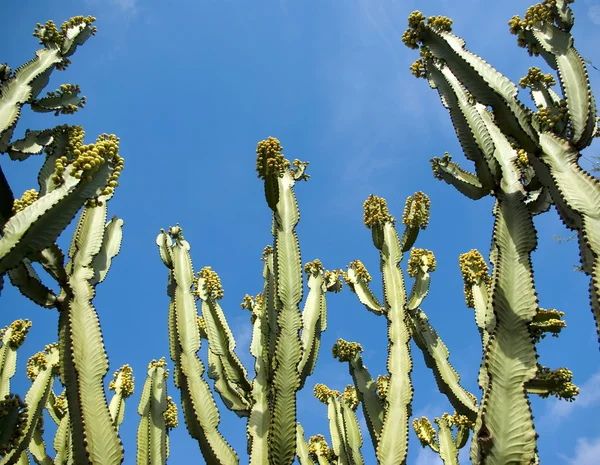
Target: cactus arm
220	338
319	451
25	278
279	184
436	357
448	449
37	448
366	388
52	260
486	84
336	426
464	182
313	320
63	444
122	385
13	422
28	80
32	144
12	337
302	447
152	430
358	282
353	437
426	433
580	194
7	199
420	263
199	408
415	218
84	362
232	396
476	143
504	430
111	245
562	56
21	86
393	441
36	398
65	100
553	382
37	226
260	416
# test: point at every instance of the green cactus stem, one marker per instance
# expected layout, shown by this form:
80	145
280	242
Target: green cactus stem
199	408
122	385
11	338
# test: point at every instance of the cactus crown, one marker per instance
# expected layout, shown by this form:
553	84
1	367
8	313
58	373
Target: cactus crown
558	382
123	379
38	362
268	250
474	271
382	386
157	364
269	158
247	302
323	393
19	330
416	211
170	414
351	397
376	212
314	267
317	446
419	258
424	430
345	351
360	270
28	198
212	283
416	26
534	77
60	402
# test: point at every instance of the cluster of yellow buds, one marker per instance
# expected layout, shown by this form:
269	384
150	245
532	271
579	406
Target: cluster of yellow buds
8	406
535	76
549	117
323	393
78	20
170	414
460	421
18	331
27	199
424	430
268	250
376	212
418	69
48	33
60	403
557	382
315	267
89	157
269	158
176	232
416	24
417	257
247	302
383	382
345	351
35	364
522	159
416	211
332	279
441	23
317	447
212	282
436	162
157	364
351	397
71	108
474	272
360	271
123	379
546	321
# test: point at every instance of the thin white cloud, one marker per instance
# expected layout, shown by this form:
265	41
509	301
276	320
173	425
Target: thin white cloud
589	395
594	14
428	457
129	6
587	452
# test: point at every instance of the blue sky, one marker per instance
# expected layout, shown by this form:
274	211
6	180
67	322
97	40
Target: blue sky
190	87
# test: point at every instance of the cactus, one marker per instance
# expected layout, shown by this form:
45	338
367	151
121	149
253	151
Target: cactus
517	160
285	341
547	141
